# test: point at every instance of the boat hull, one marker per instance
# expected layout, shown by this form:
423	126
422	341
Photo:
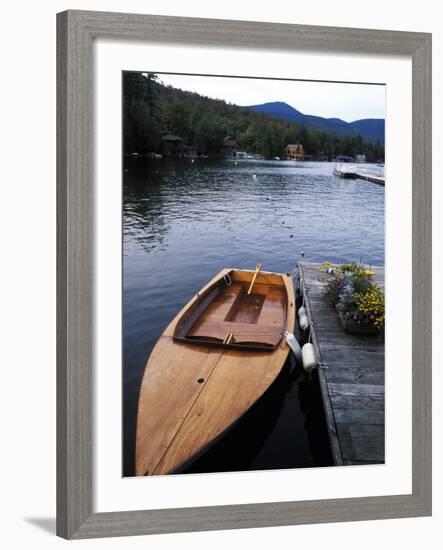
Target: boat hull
191	392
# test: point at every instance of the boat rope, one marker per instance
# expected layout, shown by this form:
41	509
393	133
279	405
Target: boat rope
227	279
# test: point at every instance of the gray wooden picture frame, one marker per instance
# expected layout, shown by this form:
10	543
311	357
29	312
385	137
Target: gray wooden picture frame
76	32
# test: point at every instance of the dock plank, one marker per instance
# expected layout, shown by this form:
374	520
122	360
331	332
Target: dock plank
359	416
356	375
367	402
351	375
362	442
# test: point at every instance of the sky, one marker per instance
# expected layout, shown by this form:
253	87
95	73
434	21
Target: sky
330	100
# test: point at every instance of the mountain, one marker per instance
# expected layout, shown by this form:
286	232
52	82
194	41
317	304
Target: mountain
372	129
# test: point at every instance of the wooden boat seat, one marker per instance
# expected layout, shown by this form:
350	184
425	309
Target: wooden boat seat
257	318
220	306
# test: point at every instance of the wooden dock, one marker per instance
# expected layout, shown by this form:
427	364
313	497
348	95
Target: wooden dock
351	171
369	176
351	376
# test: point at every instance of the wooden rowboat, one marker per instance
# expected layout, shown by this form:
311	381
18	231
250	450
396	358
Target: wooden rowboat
211	364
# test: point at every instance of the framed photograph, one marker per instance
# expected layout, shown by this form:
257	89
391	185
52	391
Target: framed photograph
244	274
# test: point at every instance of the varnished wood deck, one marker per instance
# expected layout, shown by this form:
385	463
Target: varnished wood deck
190	395
351	376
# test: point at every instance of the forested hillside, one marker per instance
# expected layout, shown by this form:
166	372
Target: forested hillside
152	110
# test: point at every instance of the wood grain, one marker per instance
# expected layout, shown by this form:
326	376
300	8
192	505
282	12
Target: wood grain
168	391
191	394
233	387
223	311
352	384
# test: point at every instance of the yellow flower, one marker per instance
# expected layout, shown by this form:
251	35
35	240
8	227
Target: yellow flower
371	303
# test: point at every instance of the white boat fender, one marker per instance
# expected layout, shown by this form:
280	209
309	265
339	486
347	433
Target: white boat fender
303	320
294	345
309	359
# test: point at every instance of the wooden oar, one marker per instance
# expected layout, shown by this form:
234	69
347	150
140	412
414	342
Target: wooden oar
257	269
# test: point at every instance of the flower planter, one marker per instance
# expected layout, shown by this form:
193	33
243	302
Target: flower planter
352	327
358	301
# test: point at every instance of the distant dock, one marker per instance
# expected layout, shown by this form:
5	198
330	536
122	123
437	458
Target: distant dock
351	376
369	176
353	172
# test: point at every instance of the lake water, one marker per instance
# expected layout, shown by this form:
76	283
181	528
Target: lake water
184	221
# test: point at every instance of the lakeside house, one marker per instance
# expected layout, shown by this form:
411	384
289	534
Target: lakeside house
173	146
229	147
294	151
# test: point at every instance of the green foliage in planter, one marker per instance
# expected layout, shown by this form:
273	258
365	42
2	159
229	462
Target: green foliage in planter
355	296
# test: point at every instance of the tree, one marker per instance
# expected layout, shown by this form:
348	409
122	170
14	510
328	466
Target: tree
152	109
